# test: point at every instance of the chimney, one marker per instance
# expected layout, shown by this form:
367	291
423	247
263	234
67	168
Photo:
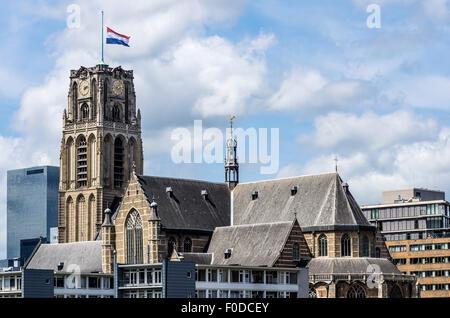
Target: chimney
204	194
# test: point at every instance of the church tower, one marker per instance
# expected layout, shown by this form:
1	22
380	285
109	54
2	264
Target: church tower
101	142
231	162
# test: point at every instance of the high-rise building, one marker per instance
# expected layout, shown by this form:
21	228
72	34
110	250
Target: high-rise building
416	226
32	206
100	147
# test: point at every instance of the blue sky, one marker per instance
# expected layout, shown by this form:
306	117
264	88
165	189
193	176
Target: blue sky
377	98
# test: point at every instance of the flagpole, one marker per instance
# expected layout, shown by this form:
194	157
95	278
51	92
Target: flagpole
103	62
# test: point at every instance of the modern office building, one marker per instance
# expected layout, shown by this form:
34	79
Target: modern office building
32	207
416	226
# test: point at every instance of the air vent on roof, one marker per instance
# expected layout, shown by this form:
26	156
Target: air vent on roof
169	191
204	194
294	190
228	253
60	266
255	195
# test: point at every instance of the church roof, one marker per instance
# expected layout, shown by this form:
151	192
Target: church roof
351	265
251	245
87	256
186	208
198	258
320	202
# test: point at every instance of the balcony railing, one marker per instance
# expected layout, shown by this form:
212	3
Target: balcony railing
360	277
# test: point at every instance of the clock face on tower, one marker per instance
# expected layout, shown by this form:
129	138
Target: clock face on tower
117	87
84	88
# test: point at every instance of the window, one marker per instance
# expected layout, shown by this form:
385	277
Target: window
345	245
187	245
377	252
295	252
356	291
82	162
223	275
134	238
323	245
118	162
84	111
201	275
365	247
257	277
171	245
93	282
116	113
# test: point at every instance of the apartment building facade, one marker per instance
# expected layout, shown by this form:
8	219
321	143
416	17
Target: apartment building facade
415	224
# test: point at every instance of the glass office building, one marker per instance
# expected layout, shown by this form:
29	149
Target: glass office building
32	205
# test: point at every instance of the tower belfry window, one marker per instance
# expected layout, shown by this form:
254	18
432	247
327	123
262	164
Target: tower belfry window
118	163
82	162
116	113
84	112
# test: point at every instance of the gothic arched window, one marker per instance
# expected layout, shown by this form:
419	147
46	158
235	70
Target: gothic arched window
377	252
187	245
295	252
81	219
84	112
82	162
134	238
116	113
171	246
365	247
323	245
395	292
346	246
356	291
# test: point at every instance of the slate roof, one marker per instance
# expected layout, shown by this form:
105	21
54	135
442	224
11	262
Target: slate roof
87	255
252	245
198	258
320	203
187	209
347	265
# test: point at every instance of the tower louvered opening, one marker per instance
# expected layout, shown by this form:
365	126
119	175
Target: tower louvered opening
82	163
118	163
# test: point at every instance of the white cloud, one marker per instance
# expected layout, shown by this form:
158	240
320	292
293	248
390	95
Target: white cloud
309	90
371	132
380	152
425	91
179	72
437	9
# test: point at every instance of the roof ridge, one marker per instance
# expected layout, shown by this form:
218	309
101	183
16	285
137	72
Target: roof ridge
286	178
181	179
255	224
347	202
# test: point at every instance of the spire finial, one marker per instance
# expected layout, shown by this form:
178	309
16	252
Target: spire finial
231	125
336	163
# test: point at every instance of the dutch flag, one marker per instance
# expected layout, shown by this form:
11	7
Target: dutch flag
113	37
